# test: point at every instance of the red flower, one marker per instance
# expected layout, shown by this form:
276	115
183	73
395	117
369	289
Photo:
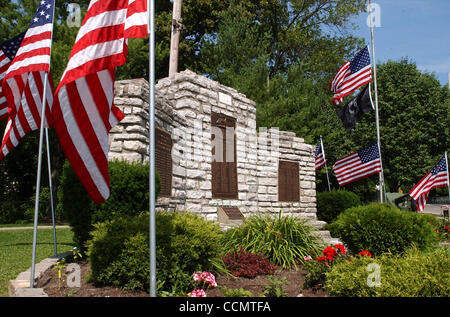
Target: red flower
329	252
447	228
322	258
340	247
365	253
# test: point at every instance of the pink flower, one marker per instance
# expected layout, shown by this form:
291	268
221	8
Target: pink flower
198	293
211	280
307	258
197	277
206	277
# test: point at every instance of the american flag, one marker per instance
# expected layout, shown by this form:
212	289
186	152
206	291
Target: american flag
358	165
8	50
319	156
23	83
83	111
353	74
437	177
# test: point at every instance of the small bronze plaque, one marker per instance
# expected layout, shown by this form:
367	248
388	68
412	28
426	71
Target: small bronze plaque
233	213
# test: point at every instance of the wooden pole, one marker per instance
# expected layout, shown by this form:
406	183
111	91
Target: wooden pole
175	38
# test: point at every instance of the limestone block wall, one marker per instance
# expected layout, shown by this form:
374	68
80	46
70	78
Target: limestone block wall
275	145
194	98
129	139
184	103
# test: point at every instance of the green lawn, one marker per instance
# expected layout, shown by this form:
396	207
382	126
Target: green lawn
15	225
16	248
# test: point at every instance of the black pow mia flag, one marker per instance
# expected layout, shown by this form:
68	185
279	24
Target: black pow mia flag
355	108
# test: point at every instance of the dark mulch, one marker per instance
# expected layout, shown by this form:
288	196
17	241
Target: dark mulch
52	285
292	286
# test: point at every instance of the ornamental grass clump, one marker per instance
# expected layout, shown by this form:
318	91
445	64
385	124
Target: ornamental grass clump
285	241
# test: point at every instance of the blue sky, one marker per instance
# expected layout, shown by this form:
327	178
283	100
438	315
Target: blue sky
417	29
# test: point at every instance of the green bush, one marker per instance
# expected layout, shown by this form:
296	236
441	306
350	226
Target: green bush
185	243
331	204
413	274
381	228
283	240
129	195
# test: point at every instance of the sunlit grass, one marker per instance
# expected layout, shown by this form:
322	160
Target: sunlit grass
16	251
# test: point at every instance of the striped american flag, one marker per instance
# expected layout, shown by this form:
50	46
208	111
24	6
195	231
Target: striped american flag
83	111
8	50
319	156
353	74
358	165
437	177
23	83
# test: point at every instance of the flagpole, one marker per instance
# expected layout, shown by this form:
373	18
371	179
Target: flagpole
39	168
448	176
326	167
50	185
152	238
381	175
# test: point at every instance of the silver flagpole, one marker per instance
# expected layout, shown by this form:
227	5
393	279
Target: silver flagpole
448	176
39	169
151	30
326	168
381	175
50	185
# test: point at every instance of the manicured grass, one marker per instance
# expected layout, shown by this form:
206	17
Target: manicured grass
15	225
16	251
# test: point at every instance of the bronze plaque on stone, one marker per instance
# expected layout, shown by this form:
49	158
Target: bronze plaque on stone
233	213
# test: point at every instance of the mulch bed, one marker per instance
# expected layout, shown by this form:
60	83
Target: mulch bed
51	284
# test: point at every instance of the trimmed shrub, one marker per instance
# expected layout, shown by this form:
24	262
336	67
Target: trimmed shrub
413	274
331	204
185	243
381	228
129	195
285	241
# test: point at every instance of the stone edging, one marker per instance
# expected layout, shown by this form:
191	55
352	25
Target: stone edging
20	287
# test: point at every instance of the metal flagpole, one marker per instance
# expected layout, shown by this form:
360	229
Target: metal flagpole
448	176
152	239
50	185
326	168
39	169
381	175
